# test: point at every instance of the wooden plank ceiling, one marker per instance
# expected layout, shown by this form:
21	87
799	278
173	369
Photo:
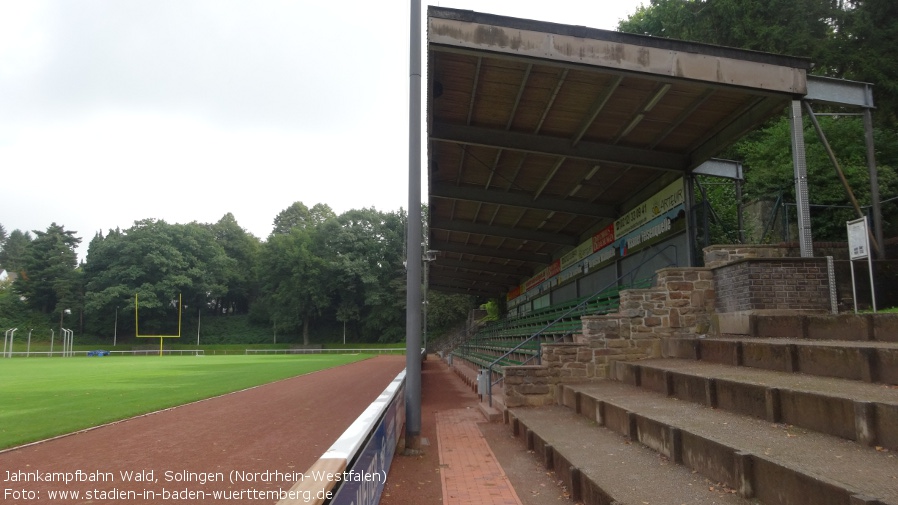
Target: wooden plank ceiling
542	134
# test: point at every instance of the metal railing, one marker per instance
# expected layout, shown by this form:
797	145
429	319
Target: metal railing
631	273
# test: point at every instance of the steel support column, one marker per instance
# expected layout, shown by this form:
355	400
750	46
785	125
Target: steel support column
690	222
801	182
874	183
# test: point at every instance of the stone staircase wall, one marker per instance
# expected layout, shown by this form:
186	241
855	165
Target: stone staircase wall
741	282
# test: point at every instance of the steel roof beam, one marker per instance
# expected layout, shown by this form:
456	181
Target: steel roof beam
554	146
500	231
486	252
484	266
481	276
742	122
522	200
839	92
469	290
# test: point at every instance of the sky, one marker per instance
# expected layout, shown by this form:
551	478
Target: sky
113	111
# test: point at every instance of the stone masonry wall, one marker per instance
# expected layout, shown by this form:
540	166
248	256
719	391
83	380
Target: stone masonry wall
683	302
679	304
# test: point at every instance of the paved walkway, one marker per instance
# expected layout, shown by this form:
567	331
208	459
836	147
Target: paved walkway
469	471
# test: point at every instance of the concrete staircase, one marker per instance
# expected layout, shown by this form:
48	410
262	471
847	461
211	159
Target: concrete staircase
731	420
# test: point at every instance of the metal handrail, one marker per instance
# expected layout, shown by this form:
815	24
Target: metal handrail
489	369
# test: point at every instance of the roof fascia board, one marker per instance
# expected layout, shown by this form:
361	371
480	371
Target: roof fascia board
615	36
623	53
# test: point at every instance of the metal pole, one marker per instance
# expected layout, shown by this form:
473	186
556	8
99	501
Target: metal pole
740	218
424	307
690	223
413	246
28	347
800	168
874	183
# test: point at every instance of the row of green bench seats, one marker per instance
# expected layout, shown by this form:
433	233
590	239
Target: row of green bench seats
496	339
483	360
538	320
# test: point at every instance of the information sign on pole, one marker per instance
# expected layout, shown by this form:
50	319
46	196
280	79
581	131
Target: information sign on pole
858	249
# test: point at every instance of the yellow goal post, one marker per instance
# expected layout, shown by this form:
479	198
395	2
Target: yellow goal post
160	337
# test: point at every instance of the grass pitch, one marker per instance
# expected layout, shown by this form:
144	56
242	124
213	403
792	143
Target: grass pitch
45	397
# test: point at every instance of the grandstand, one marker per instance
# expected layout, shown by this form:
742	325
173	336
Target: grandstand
562	156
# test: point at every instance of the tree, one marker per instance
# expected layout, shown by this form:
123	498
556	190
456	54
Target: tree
294	279
793	27
48	278
159	262
298	215
768	168
364	249
12	257
243	248
446	310
868	35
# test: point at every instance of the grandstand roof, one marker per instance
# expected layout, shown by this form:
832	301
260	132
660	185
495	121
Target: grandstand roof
541	134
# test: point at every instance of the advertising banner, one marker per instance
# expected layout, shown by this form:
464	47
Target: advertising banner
661	202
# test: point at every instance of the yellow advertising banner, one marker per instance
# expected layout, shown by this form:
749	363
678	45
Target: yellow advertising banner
659	203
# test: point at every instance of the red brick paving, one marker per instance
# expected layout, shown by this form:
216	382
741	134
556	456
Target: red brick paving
469	471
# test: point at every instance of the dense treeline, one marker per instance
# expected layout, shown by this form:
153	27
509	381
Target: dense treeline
848	39
319	272
316	272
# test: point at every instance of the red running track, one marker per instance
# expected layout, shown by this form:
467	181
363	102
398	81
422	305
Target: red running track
280	427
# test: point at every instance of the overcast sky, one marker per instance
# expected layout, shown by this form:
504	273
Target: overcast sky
113	111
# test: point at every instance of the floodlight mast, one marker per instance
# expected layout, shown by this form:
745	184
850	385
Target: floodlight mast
413	244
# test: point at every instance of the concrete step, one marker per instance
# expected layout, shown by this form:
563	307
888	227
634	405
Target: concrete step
858	360
858	411
775	463
859	327
598	467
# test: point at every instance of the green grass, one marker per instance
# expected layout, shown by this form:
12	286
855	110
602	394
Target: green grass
45	397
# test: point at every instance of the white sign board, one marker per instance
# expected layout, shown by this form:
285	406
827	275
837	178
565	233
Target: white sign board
858	239
859	248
